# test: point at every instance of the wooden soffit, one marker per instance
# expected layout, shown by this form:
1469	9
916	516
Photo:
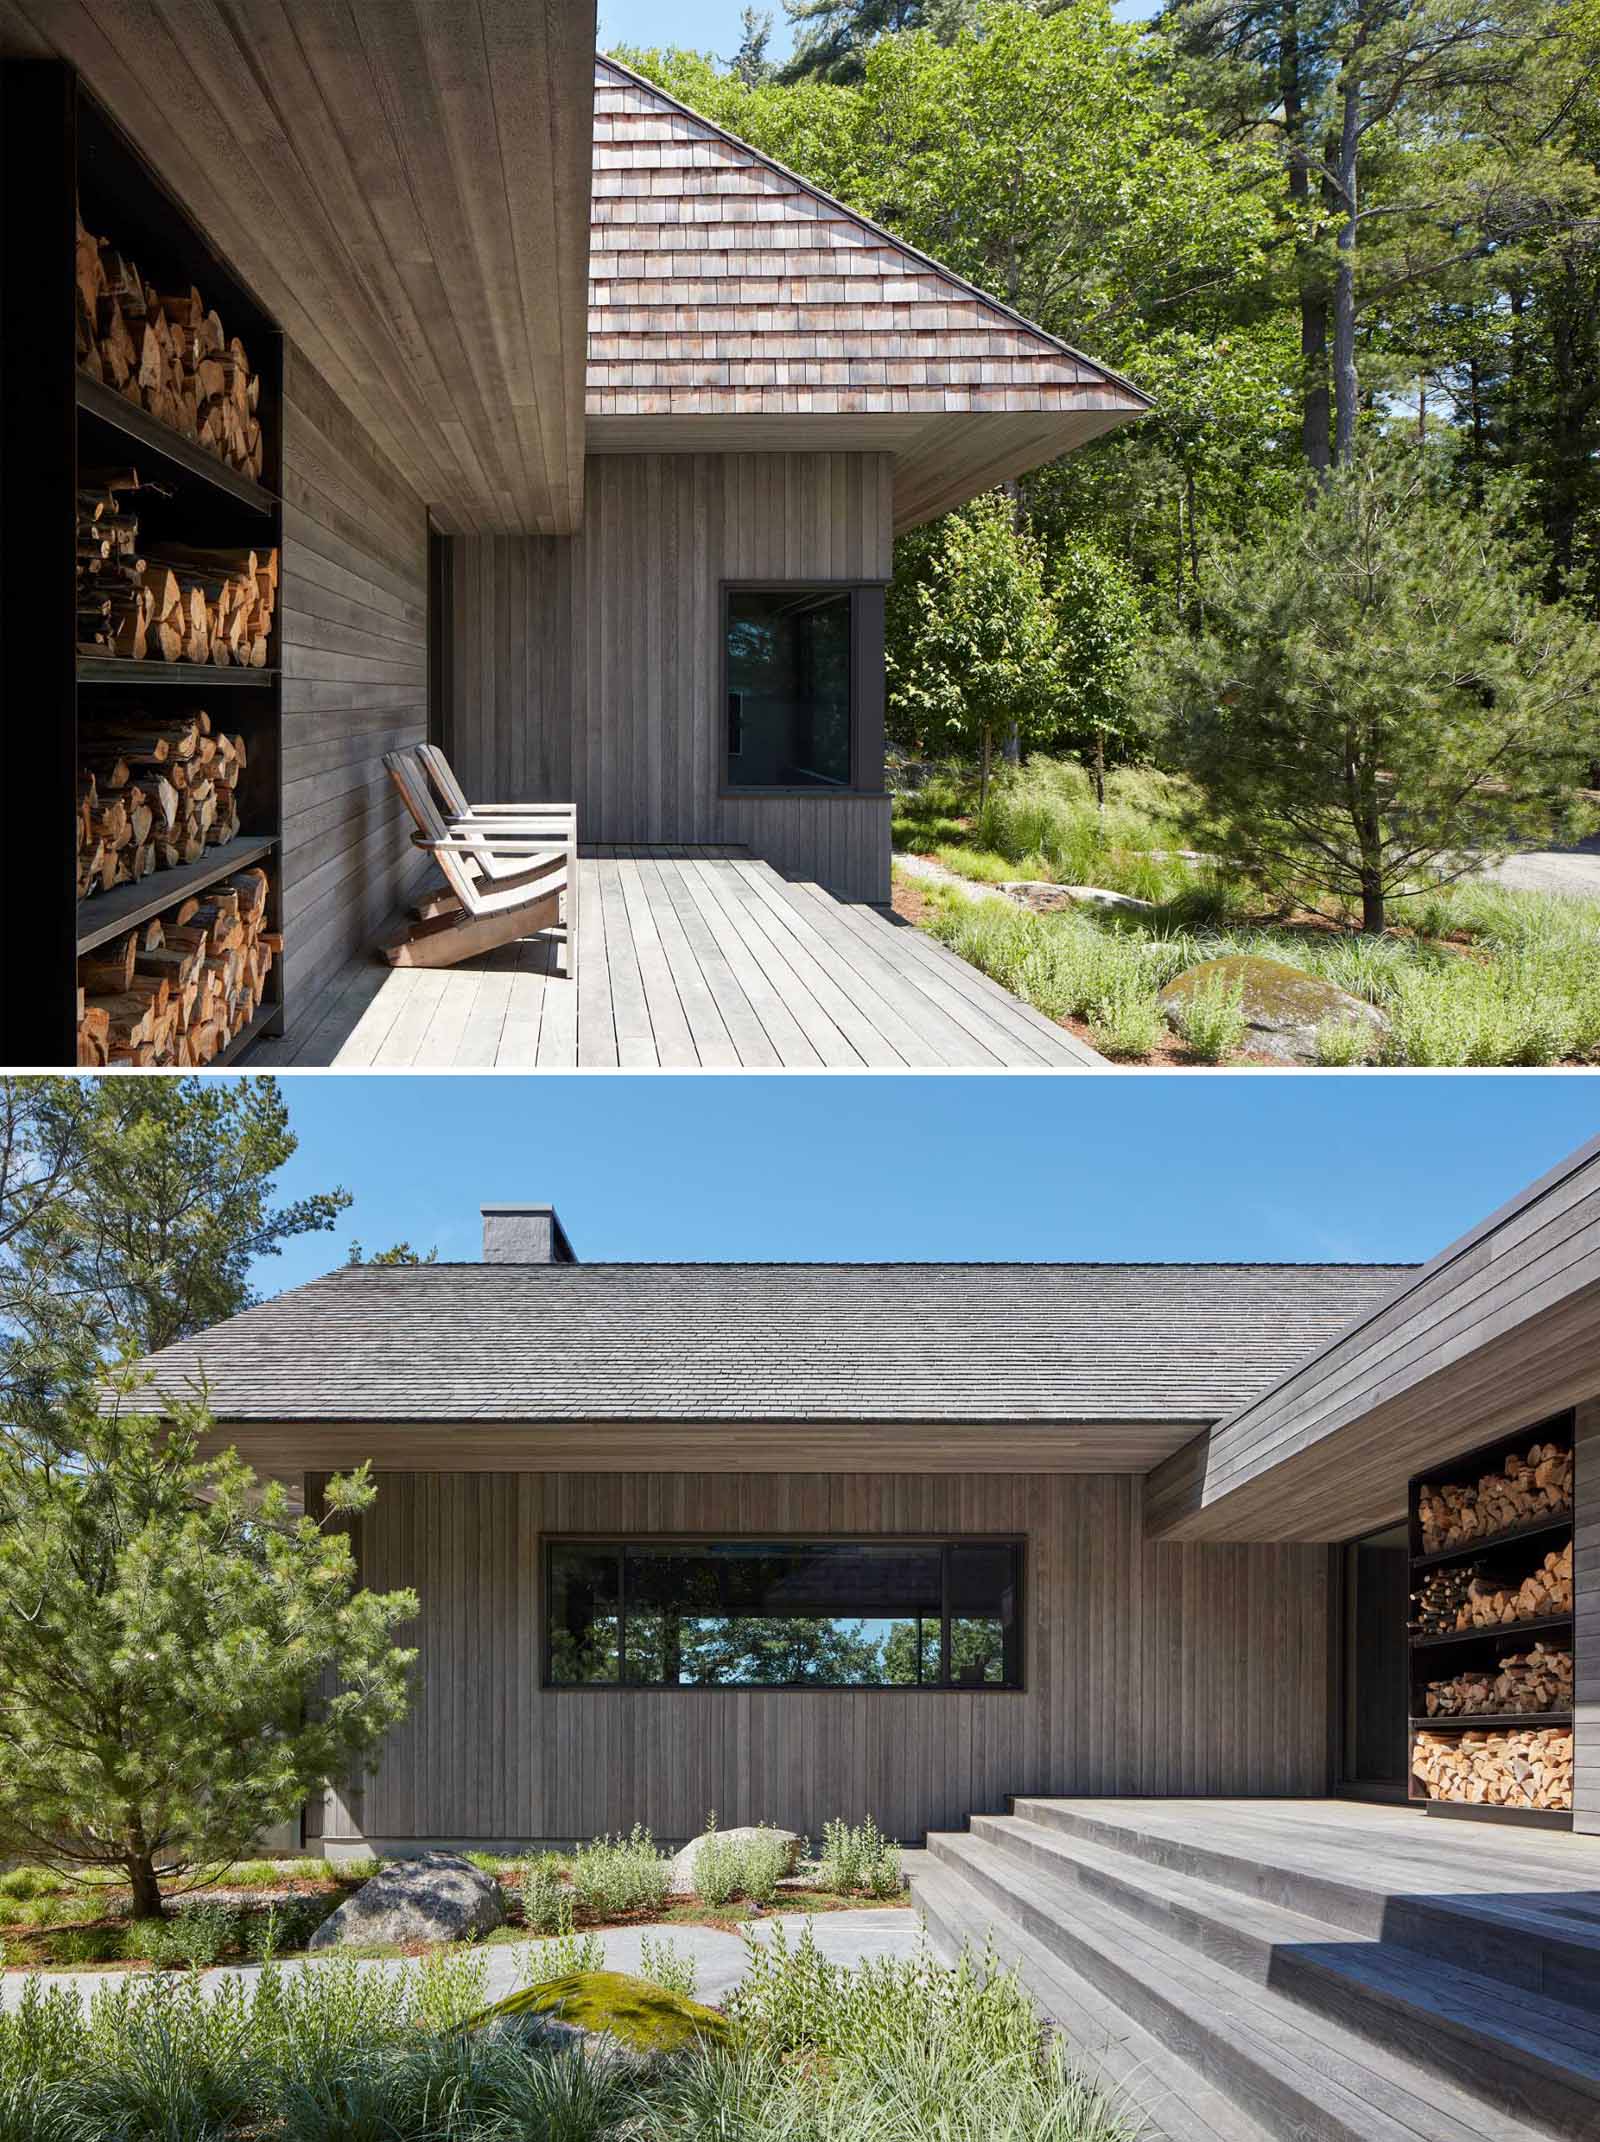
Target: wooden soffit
1498	1331
286	1447
405	184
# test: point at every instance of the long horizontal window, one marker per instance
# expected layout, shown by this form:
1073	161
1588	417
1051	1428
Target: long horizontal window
783	1614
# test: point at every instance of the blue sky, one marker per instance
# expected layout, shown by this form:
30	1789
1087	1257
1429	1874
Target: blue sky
1140	1166
713	25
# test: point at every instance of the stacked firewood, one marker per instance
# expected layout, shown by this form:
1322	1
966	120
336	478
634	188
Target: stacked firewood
111	605
1525	1488
1531	1769
1538	1679
153	792
175	991
168	603
1455	1599
169	354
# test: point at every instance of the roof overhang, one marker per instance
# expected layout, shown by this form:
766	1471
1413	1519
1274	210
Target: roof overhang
405	185
288	1448
940	461
1500	1330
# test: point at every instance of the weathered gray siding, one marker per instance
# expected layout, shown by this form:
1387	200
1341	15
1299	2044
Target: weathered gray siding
586	668
1501	1328
1586	1620
1147	1668
353	624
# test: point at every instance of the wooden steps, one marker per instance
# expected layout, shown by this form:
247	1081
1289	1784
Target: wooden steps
1292	2024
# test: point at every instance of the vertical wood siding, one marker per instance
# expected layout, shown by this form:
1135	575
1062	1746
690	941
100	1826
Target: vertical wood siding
1586	1620
586	668
1171	1669
353	626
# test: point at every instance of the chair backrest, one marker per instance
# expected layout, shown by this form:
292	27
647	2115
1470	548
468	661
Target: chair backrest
454	797
444	780
460	871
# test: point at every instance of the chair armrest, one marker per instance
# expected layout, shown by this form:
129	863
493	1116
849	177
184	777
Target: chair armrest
524	845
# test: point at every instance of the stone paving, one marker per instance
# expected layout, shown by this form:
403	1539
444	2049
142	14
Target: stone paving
844	1937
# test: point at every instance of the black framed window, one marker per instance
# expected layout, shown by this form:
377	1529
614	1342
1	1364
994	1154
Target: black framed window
802	688
934	1614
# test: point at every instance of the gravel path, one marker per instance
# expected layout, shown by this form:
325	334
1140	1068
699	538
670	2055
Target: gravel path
1553	870
844	1937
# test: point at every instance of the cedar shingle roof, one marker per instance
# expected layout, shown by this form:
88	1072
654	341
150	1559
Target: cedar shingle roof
814	1342
721	283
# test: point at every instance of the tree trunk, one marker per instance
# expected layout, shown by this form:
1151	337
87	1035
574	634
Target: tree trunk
983	776
1372	919
1346	383
1194	548
1100	768
146	1889
1314	409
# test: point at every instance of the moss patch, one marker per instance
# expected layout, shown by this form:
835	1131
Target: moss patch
645	2018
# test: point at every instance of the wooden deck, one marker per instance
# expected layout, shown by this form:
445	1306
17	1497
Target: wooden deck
689	958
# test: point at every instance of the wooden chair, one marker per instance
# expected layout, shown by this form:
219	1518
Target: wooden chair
455	807
499	885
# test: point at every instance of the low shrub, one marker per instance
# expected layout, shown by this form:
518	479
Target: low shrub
197	1936
1126	1021
662	1964
859	1862
615	1875
561	1956
542	1893
71	1948
717	1869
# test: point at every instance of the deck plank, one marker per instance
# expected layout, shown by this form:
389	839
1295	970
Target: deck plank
690	958
786	1035
665	983
919	1028
712	1042
597	1032
841	1038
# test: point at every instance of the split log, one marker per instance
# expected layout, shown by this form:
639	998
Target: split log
1532	1769
168	353
154	791
1539	1679
176	992
1522	1490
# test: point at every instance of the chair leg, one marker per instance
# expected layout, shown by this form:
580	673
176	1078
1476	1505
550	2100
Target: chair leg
572	912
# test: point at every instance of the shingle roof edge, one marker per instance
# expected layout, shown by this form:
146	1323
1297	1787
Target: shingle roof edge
901	245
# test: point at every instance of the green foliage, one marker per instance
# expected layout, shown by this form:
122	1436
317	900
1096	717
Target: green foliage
981	663
168	1647
898	2050
565	1953
1377	696
1100	623
1213	1019
165	1207
1125	1022
796	2001
859	1861
543	1893
663	1965
398	1253
726	1867
1531	985
613	1876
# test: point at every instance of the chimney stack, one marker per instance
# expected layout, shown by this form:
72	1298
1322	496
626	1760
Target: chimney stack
524	1234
